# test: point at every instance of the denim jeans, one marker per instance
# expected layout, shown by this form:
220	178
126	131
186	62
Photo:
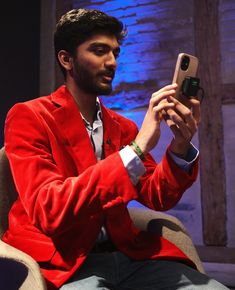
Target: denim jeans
115	271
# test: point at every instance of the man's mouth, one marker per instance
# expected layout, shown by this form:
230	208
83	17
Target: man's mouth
107	77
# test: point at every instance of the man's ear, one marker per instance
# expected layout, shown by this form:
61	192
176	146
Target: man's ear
65	59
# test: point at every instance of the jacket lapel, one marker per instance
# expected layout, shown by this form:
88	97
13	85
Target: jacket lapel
69	121
112	132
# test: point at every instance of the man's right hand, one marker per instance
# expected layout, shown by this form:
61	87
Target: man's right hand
159	103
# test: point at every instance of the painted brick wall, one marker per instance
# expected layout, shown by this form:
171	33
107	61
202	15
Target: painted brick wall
157	32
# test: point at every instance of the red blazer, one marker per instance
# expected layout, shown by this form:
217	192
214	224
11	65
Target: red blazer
65	195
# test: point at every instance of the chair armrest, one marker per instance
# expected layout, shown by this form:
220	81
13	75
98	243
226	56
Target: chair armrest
169	227
18	270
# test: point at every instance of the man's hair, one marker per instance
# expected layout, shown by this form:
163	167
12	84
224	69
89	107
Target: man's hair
77	25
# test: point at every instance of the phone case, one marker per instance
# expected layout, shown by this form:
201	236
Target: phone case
180	74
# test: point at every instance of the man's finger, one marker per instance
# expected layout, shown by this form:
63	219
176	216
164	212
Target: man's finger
196	109
187	129
187	114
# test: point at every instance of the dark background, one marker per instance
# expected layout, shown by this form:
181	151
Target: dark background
19	54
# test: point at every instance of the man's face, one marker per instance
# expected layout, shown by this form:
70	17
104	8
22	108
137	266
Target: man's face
95	64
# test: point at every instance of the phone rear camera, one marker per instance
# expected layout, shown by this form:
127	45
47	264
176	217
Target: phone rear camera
185	63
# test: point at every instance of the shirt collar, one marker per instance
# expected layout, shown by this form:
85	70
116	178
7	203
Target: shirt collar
98	119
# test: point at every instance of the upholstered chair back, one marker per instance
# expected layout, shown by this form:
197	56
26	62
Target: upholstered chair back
8	193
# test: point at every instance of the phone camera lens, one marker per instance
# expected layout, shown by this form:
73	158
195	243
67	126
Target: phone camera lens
185	63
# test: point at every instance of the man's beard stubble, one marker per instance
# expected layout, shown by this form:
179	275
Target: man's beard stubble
90	83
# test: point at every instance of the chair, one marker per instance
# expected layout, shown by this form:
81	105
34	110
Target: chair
170	228
20	271
17	269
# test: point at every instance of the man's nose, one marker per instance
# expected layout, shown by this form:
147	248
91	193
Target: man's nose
111	61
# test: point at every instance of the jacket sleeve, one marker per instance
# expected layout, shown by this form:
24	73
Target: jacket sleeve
52	200
163	184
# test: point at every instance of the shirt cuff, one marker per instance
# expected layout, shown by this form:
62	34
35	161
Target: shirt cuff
132	163
187	164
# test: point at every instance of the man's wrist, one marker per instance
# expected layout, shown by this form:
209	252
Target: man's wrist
137	150
180	149
132	163
187	163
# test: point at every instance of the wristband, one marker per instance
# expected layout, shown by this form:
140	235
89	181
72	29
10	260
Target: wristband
138	150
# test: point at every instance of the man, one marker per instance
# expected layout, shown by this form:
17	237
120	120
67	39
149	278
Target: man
77	164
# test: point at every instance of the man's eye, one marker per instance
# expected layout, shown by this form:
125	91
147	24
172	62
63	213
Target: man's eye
99	51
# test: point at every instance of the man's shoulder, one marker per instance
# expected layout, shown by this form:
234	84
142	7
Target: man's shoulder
37	104
37	101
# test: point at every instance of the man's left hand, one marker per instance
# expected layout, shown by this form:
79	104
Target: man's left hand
183	121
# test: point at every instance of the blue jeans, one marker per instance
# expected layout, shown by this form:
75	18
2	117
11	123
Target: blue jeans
115	271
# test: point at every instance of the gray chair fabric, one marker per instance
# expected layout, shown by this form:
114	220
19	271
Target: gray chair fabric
170	228
8	193
17	269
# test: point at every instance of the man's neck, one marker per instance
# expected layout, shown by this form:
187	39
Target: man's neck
86	102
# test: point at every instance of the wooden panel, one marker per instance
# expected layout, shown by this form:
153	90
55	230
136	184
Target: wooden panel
61	8
216	254
228	94
47	58
50	74
212	167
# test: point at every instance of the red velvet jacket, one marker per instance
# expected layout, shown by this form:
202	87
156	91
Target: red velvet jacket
65	195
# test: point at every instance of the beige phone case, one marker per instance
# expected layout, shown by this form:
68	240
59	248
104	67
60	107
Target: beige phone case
180	75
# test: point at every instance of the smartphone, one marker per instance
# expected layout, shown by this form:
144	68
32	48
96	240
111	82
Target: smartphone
186	66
